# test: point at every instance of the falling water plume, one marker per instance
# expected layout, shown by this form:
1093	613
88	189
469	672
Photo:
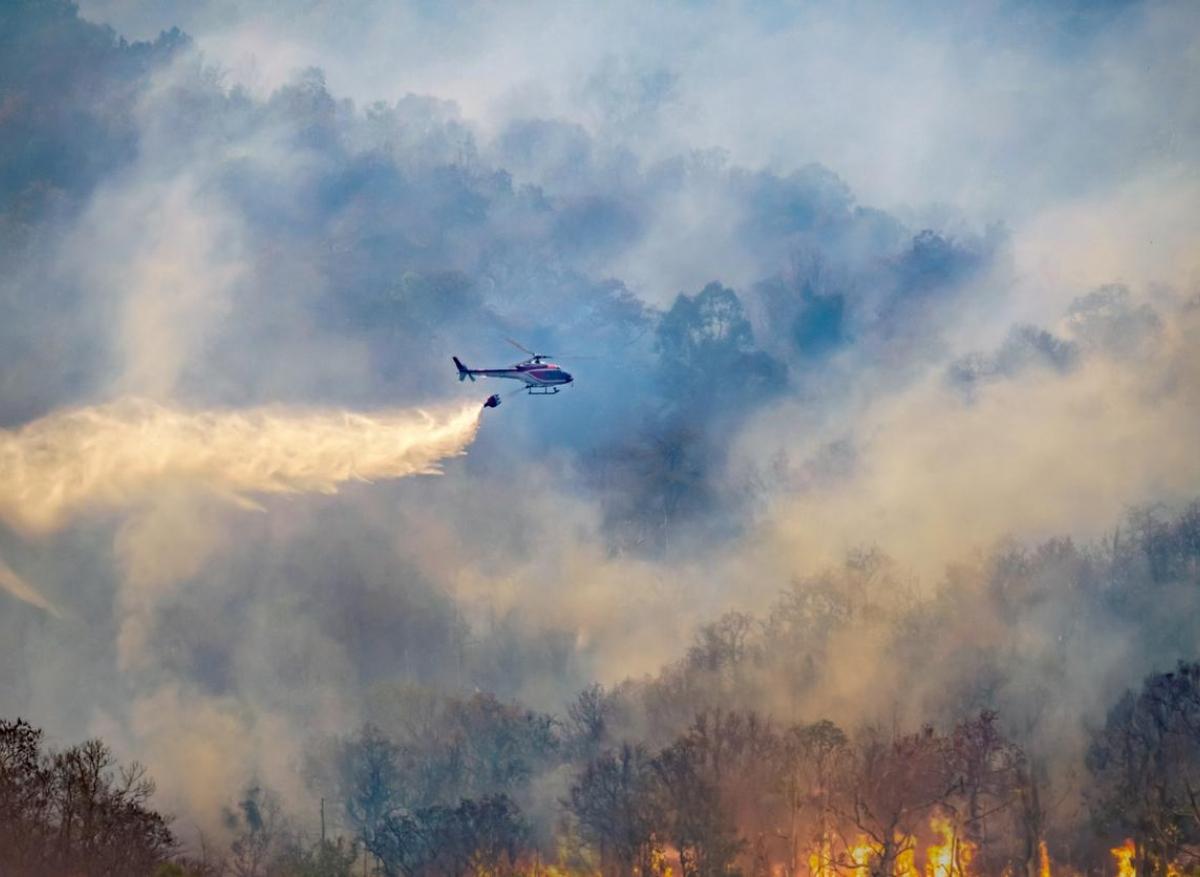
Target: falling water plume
112	455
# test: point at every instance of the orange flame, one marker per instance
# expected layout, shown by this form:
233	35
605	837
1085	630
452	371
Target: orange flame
820	860
951	856
860	856
906	860
1123	855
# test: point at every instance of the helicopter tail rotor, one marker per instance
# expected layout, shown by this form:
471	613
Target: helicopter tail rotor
463	371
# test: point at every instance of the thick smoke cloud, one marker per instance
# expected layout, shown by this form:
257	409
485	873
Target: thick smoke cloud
1002	107
912	308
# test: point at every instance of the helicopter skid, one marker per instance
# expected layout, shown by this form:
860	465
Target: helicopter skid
543	391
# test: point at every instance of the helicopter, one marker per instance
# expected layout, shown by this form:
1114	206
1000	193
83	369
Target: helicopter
541	377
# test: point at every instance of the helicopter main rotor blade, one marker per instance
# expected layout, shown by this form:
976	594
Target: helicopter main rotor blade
525	349
520	346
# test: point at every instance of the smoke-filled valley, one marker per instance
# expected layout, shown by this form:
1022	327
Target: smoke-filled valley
866	542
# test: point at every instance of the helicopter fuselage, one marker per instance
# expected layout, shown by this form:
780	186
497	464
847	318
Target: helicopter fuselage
540	377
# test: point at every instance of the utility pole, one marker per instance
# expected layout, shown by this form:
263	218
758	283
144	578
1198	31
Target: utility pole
322	822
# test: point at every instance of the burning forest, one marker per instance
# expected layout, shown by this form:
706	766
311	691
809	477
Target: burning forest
852	529
701	769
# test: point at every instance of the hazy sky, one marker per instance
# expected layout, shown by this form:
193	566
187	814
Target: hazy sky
997	108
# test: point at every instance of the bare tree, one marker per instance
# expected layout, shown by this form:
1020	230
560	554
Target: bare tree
75	811
259	832
25	797
889	786
694	817
614	802
476	837
1145	766
812	757
588	719
989	771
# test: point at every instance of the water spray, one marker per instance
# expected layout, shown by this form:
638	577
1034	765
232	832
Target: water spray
113	455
